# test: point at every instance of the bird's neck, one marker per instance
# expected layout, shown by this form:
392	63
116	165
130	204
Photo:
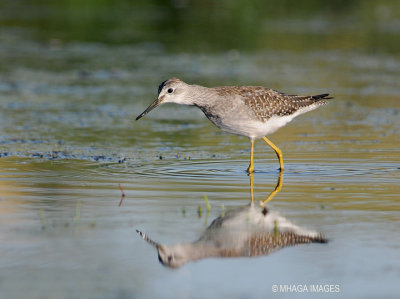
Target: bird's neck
200	96
197	250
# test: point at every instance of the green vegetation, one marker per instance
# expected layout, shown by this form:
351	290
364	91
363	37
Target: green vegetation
207	203
77	212
42	219
199	211
276	229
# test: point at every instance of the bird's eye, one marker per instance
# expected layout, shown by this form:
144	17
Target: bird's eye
169	258
170	90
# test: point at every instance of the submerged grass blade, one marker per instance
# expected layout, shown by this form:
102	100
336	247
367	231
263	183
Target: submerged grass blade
42	219
77	212
276	229
122	195
207	203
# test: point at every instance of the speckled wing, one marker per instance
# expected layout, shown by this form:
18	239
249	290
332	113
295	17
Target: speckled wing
265	103
266	243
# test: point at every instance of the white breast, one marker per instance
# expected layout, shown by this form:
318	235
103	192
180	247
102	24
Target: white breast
253	128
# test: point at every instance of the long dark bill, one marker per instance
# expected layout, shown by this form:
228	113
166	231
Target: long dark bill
148	109
148	240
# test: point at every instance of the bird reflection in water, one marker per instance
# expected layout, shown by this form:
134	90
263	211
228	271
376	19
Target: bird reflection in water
246	231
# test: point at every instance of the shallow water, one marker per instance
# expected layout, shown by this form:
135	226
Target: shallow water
68	139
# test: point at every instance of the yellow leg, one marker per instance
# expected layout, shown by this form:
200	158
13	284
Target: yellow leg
251	166
277	189
277	151
251	175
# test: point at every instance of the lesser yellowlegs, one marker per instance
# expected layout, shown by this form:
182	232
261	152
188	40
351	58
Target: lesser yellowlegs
251	111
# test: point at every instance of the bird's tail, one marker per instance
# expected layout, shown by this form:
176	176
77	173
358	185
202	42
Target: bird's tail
312	101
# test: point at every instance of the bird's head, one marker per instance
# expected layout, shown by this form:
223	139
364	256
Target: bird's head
170	91
171	256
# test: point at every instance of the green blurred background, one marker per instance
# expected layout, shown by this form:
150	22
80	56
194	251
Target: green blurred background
205	25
